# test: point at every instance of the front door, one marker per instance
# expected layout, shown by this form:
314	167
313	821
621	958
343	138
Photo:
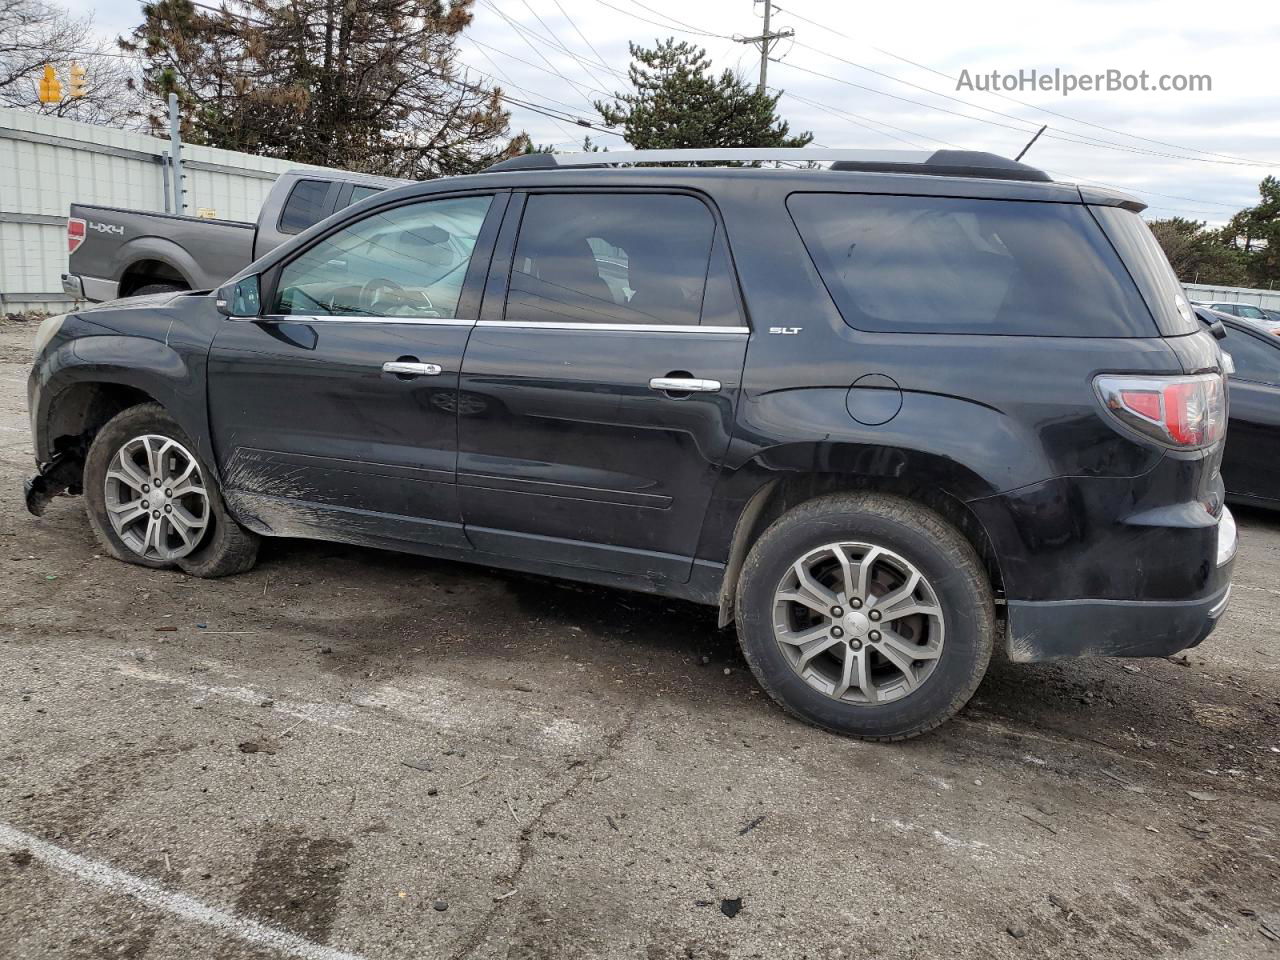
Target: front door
334	414
598	390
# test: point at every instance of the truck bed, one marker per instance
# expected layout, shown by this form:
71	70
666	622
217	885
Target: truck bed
194	252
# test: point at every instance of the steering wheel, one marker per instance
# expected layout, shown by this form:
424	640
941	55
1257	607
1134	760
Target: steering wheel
372	289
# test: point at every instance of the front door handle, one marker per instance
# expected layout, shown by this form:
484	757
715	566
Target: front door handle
404	368
684	385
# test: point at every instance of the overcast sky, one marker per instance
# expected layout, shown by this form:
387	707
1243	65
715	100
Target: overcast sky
881	75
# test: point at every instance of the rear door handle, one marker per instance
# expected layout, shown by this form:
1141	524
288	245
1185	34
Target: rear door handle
406	369
684	385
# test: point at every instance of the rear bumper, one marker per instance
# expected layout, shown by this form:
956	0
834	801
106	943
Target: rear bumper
89	288
1051	629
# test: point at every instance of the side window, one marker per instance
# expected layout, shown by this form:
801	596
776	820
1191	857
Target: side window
305	206
611	258
360	192
408	261
1255	359
957	265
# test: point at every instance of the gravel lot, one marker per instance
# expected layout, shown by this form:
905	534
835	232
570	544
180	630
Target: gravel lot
353	754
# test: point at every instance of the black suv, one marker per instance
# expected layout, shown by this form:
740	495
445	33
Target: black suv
883	415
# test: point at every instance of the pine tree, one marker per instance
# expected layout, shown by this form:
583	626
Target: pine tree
677	102
371	86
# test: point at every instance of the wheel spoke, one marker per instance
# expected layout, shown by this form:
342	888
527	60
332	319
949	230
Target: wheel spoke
125	513
928	609
133	475
846	673
903	662
902	593
846	572
815	647
914	651
865	684
794	639
153	445
864	572
152	540
812	586
181	529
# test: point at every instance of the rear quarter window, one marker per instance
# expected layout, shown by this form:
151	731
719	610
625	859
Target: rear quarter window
305	206
960	265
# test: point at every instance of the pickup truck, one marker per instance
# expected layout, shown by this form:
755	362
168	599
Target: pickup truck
125	253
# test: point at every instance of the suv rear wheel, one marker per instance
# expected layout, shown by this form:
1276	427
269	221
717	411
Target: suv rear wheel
866	614
152	502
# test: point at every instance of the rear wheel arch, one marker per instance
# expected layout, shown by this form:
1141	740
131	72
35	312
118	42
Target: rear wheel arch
149	273
783	493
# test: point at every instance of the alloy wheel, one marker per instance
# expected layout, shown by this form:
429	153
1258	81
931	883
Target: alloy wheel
156	498
858	623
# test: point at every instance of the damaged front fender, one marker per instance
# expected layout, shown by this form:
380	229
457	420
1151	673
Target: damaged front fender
63	474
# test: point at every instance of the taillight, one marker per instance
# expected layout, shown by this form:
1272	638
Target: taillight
75	233
1182	412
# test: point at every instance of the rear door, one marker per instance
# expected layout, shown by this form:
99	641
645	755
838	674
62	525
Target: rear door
335	412
598	390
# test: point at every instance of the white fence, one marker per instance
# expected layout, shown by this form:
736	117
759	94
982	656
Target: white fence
46	163
1204	293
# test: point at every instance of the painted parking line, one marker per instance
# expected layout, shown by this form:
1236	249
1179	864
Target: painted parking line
178	904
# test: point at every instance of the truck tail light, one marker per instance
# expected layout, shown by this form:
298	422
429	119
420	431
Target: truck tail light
1181	412
75	233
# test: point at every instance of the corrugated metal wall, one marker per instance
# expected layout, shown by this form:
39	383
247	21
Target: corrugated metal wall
1204	293
48	162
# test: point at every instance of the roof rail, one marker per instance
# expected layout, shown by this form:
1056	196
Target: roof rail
952	163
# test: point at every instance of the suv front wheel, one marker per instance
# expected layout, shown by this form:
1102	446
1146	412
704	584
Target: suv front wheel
151	501
866	614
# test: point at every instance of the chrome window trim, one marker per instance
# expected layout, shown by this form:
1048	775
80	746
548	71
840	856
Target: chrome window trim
613	327
310	318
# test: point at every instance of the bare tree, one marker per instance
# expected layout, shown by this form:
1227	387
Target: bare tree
34	33
374	85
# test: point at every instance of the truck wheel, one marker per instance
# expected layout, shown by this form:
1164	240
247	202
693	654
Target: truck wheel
867	615
151	288
151	501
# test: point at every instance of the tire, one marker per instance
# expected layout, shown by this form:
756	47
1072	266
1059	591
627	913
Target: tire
220	547
952	632
152	288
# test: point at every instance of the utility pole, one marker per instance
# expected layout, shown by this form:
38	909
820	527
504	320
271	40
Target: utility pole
765	42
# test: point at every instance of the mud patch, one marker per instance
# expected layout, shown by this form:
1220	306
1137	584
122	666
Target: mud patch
296	882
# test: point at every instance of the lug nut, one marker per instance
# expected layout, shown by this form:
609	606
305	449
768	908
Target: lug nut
156	514
145	505
167	508
855	603
146	488
837	612
855	644
837	632
874	636
157	481
168	492
874	614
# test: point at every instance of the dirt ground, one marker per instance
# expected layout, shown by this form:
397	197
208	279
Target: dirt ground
350	754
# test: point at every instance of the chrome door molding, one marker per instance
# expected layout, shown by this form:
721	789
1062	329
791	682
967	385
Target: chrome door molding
612	327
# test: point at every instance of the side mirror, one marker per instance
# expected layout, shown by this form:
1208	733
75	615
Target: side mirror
239	299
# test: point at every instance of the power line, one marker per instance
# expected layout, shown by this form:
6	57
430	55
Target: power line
1089	142
664	26
520	32
1063	116
1087	123
581	61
